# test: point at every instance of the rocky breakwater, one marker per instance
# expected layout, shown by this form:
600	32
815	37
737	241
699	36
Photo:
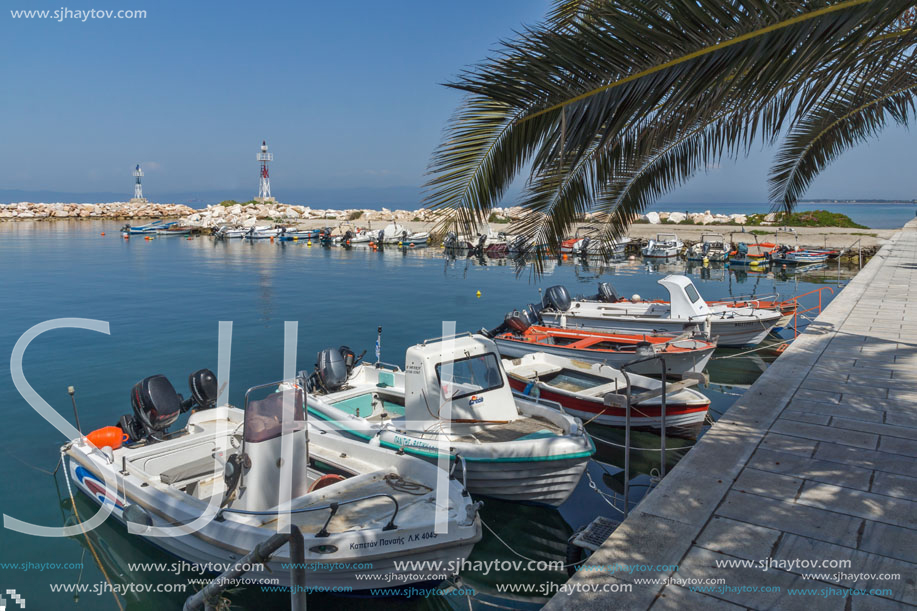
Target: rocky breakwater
29	211
249	215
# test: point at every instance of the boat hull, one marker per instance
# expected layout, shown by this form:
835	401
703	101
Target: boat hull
728	332
643	416
539	471
677	364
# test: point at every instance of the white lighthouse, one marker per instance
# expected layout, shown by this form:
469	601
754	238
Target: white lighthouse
138	187
264	187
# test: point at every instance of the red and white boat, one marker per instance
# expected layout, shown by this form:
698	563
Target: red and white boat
580	388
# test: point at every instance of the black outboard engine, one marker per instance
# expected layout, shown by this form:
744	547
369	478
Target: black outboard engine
204	391
519	245
332	368
584	246
556	298
479	247
607	293
157	406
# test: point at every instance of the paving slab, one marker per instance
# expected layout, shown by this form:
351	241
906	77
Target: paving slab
816	461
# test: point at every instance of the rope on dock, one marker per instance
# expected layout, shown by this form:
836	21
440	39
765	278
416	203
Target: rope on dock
509	547
618	445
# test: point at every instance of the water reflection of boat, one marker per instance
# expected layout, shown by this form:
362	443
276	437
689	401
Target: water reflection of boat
117	552
534	532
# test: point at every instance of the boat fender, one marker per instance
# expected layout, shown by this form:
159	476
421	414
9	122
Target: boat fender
326	480
528	388
111	436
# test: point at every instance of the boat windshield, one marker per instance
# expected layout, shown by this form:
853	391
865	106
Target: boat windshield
470	375
693	295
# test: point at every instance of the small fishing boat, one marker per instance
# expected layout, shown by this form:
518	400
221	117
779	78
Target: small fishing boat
174	230
785	256
787	307
518	337
665	245
394	233
148	229
227	232
453	400
589	245
685	311
290	234
751	255
712	247
355	503
262	232
580	387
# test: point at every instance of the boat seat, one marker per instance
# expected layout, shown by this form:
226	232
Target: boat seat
537	369
196	469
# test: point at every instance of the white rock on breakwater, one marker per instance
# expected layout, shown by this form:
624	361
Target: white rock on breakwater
120	210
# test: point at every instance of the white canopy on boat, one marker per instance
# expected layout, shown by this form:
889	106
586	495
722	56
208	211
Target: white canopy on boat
477	384
686	302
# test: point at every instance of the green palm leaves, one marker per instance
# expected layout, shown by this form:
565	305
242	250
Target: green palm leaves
608	105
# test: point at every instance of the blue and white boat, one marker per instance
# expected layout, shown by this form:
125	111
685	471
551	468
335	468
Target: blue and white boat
148	229
453	401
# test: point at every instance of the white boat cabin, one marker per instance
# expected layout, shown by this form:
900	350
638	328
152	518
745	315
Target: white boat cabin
685	301
465	369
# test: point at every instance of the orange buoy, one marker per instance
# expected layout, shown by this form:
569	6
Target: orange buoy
103	233
111	436
326	480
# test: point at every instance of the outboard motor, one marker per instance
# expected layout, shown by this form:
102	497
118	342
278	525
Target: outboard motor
556	298
156	407
204	391
607	293
518	245
584	246
450	240
332	368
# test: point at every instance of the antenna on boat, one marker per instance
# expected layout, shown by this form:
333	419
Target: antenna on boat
379	345
76	415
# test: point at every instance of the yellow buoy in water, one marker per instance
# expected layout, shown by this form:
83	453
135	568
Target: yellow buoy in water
478	294
309	243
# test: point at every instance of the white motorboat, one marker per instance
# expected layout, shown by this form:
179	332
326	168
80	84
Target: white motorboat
262	232
686	311
665	245
712	247
395	233
503	446
227	232
581	387
353	502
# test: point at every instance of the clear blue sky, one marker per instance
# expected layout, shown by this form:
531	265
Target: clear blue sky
347	95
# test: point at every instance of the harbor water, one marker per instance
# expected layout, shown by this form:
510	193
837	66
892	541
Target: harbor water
163	300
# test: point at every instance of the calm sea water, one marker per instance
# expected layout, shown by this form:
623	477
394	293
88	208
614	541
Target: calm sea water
164	298
876	216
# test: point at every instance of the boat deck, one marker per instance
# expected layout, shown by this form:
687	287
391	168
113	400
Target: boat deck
816	462
526	427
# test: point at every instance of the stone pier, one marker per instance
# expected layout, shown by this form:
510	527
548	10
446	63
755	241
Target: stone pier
816	462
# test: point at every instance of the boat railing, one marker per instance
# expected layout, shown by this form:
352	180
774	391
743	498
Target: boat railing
323	532
445	337
797	312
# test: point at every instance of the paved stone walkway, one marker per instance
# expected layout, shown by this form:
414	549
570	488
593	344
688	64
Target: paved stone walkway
817	461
